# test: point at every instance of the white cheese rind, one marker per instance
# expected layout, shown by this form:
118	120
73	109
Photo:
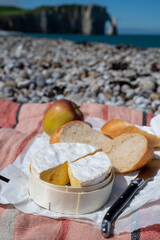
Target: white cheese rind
58	153
91	169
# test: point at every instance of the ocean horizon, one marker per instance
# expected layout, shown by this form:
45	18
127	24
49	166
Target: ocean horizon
137	40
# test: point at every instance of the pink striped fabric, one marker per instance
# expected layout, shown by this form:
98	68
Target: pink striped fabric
18	125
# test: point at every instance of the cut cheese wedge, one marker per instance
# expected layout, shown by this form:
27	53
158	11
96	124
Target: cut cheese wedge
57	175
89	170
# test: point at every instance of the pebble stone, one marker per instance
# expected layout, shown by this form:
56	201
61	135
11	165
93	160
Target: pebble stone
46	70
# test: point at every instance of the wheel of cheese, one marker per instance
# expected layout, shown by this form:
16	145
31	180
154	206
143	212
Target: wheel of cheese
48	178
70	200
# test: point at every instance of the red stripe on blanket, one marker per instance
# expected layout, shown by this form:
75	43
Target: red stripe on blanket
105	111
129	115
62	234
38	227
150	232
30	116
9	144
8	113
35	227
149	117
83	231
12	142
93	110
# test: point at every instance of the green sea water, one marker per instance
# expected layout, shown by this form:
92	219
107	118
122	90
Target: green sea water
142	41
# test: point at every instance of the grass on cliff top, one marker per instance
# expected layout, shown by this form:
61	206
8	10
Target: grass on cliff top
69	6
12	11
8	11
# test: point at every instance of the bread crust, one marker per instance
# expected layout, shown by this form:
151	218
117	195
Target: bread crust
116	127
147	157
89	135
139	163
55	137
110	146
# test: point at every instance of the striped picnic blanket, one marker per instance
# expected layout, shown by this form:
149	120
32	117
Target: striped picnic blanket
19	123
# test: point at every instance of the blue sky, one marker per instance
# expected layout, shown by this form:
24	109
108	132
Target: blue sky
133	16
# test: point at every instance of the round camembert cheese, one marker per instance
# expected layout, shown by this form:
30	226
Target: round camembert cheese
77	163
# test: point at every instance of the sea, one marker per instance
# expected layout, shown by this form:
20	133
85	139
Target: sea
141	41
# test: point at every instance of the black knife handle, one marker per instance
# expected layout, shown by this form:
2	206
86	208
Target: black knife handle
117	208
4	179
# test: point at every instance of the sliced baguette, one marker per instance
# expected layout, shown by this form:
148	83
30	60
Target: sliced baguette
78	131
116	127
130	151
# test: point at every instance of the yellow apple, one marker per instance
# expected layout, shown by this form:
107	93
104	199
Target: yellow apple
59	113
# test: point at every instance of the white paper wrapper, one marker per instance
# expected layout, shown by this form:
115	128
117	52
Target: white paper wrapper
143	210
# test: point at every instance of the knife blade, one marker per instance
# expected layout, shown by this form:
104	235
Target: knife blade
146	174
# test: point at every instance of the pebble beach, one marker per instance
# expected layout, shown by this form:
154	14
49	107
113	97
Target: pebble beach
46	70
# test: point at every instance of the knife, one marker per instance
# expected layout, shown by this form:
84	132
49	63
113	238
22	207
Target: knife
146	174
4	179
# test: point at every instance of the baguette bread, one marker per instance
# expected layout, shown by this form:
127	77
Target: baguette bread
130	152
80	132
116	127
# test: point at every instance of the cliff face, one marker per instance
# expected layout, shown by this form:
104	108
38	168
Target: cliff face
63	19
